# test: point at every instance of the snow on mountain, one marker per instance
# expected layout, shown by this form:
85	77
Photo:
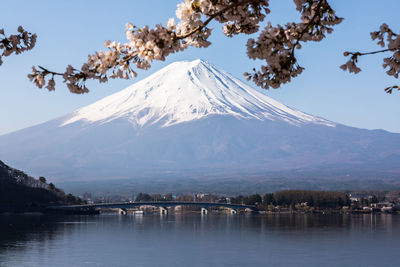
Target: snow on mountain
192	120
186	91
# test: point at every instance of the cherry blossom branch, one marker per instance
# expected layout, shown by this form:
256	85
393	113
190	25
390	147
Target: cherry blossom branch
16	44
80	75
147	44
392	44
275	45
212	17
310	23
370	53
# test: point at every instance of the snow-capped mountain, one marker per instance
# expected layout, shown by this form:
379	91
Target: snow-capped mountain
187	91
192	120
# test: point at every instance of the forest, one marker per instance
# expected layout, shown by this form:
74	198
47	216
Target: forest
22	193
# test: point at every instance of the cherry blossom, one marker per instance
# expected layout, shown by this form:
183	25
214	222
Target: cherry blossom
277	44
390	42
16	43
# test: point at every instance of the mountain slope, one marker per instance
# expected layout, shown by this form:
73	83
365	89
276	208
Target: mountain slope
186	91
193	120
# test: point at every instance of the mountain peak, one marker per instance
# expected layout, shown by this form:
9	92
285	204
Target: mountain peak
188	90
187	64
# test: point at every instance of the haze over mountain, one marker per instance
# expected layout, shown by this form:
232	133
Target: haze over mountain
192	120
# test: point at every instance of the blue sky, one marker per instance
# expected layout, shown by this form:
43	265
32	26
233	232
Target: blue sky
70	30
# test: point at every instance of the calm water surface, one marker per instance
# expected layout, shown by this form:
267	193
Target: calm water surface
195	240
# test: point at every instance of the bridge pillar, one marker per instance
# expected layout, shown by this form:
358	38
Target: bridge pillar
122	211
163	211
204	211
233	211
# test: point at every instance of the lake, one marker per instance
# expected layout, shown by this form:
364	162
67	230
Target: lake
200	240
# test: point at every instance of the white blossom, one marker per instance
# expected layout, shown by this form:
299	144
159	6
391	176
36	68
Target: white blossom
16	44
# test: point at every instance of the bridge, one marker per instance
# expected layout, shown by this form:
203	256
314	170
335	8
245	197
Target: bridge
163	205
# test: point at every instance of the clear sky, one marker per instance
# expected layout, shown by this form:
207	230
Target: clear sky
70	30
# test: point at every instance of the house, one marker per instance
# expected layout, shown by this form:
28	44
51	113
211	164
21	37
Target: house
382	206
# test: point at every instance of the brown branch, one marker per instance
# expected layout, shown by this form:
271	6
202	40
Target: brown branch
371	53
305	29
49	71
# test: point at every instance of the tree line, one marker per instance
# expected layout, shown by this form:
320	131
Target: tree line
285	198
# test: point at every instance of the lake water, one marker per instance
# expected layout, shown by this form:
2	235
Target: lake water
196	240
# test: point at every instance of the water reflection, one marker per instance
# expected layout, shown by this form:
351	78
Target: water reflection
199	240
16	229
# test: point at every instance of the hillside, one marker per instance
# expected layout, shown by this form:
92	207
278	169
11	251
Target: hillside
20	192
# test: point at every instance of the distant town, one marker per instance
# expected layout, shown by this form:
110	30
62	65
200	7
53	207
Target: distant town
286	201
22	193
